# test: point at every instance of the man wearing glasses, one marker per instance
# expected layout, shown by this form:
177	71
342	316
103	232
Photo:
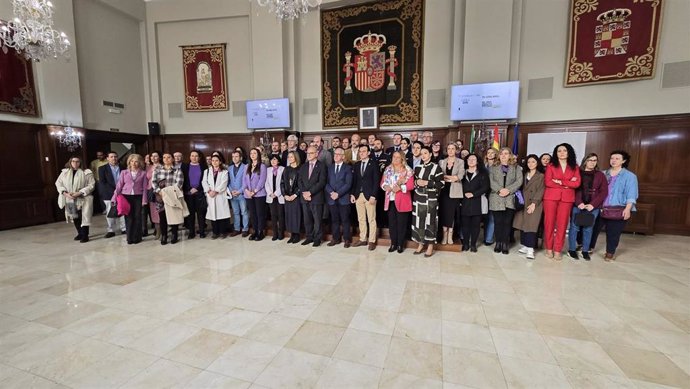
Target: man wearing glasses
312	183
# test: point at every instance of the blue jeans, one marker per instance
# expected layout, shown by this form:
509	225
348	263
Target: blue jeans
489	227
586	231
239	207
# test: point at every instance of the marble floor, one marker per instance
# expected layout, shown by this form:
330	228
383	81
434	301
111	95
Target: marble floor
238	314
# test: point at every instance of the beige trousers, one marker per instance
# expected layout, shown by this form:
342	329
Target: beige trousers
366	213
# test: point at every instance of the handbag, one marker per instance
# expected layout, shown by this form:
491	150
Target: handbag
150	196
614	212
112	213
519	200
584	219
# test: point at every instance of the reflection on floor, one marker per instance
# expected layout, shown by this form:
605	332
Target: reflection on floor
237	314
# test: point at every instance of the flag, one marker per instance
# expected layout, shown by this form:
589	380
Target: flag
515	139
471	149
497	140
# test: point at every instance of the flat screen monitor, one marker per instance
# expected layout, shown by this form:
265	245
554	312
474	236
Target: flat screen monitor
273	113
497	100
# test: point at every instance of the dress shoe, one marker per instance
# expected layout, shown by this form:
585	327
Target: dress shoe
465	248
223	236
245	234
307	241
498	247
191	236
281	236
348	244
391	249
608	257
202	235
473	249
573	255
109	235
586	256
274	238
333	243
372	246
360	243
78	237
84	239
234	234
401	249
214	236
129	242
164	240
259	237
317	243
174	240
123	232
252	237
505	249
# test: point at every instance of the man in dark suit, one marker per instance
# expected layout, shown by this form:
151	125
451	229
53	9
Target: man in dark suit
397	139
312	182
381	159
365	184
108	176
337	189
292	146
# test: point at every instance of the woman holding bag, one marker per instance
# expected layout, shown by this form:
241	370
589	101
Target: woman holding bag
588	199
215	185
398	183
620	202
132	185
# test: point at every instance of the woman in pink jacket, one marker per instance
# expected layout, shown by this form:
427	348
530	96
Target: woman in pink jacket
398	183
132	186
561	179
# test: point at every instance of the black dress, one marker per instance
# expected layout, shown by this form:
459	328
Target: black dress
448	205
293	209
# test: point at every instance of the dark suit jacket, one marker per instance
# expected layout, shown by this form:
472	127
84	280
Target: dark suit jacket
479	186
367	183
302	157
342	183
314	184
391	149
106	182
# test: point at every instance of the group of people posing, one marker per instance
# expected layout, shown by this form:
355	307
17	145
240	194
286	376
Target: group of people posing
426	195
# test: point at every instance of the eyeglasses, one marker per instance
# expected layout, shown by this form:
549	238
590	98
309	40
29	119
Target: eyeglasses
592	160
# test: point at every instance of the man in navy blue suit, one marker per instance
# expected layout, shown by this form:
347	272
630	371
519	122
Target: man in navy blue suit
337	191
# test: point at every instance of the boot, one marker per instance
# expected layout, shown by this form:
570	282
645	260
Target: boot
164	236
77	225
84	234
174	235
450	236
445	236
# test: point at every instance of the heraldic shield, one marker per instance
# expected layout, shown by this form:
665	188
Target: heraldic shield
372	56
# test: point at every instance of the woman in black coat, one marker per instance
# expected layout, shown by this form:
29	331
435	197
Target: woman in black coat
290	189
475	184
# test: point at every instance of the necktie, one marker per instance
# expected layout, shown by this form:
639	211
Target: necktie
337	169
364	167
311	168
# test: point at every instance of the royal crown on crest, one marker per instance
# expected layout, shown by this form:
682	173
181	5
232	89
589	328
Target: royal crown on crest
614	15
368	43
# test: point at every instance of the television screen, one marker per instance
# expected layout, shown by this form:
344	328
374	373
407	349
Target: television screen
498	100
274	113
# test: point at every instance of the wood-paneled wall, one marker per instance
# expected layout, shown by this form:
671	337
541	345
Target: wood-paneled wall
659	146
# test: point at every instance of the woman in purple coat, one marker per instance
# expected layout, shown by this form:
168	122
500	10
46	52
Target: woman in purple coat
255	193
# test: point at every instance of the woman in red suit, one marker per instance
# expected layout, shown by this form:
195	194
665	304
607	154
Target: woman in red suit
561	179
398	183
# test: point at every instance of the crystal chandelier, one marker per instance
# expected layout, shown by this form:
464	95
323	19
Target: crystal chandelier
68	138
289	9
31	31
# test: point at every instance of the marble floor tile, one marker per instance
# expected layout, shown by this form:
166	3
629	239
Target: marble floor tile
532	374
648	366
581	355
112	371
391	379
559	325
581	379
162	374
275	329
202	348
373	320
316	338
421	328
209	380
463	312
417	358
21	379
163	339
245	359
363	347
293	369
467	336
333	313
521	344
235	322
474	369
345	374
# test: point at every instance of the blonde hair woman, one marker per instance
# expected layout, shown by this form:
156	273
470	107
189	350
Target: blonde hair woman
505	180
132	186
75	187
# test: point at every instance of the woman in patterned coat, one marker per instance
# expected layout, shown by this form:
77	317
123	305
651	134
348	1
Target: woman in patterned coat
428	184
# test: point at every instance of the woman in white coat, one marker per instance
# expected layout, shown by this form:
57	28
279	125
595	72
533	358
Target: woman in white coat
275	198
215	184
75	187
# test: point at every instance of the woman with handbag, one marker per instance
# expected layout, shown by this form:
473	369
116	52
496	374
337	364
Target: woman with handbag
505	179
527	220
289	186
561	179
453	169
620	201
75	194
588	199
132	185
397	182
164	176
475	186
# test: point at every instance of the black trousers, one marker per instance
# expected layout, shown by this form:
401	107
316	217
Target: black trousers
164	225
340	222
133	220
614	230
470	230
221	226
503	221
312	213
197	212
277	218
529	239
257	213
398	224
598	224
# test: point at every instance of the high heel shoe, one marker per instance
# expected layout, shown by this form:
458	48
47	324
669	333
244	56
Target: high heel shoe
498	247
391	249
